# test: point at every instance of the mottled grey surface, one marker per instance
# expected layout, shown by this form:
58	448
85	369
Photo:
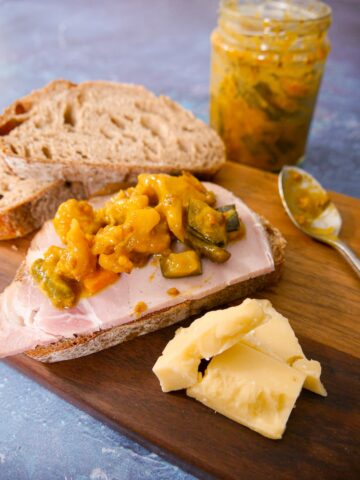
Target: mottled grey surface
163	44
44	438
334	147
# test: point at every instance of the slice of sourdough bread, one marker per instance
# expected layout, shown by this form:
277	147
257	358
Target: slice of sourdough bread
82	345
103	132
25	204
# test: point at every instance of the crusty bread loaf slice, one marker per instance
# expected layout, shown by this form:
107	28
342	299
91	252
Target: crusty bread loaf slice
103	132
25	204
82	345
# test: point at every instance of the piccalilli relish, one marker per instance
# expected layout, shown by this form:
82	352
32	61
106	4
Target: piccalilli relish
138	222
267	64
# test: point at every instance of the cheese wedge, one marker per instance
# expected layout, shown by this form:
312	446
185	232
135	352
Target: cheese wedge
277	339
251	388
312	370
207	336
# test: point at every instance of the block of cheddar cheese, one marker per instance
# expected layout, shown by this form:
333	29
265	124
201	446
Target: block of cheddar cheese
207	336
277	339
251	388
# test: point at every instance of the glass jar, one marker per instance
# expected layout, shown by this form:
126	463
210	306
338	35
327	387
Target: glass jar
268	57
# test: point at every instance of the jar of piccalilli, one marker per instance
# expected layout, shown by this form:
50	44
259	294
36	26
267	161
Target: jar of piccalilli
268	58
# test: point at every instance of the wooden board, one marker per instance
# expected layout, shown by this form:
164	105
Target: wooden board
321	296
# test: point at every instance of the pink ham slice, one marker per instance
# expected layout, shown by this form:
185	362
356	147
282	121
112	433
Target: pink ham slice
28	319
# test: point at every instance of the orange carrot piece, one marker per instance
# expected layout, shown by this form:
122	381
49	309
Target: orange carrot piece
98	280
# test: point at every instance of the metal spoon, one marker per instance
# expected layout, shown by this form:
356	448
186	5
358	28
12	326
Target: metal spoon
310	209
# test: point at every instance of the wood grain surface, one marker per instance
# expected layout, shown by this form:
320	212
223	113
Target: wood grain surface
321	296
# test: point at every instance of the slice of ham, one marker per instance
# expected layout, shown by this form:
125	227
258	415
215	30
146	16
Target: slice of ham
28	319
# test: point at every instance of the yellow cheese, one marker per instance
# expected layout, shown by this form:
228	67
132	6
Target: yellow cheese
207	336
277	339
312	370
251	388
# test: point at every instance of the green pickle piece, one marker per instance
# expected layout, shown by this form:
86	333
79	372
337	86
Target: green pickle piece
267	100
59	291
231	217
213	252
184	264
206	222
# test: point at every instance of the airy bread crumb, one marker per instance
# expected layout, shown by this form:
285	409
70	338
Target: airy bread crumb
101	132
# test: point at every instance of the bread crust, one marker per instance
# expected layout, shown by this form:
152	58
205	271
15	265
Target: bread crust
28	215
67	349
95	177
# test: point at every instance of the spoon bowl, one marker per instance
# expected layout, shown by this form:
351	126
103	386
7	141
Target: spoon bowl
310	209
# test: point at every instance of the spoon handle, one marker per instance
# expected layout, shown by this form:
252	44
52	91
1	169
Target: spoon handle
350	256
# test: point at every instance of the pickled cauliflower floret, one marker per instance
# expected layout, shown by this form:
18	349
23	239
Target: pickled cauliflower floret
76	261
82	211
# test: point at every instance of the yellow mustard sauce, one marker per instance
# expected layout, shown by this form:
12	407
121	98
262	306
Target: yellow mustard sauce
173	291
140	308
306	200
136	225
266	69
